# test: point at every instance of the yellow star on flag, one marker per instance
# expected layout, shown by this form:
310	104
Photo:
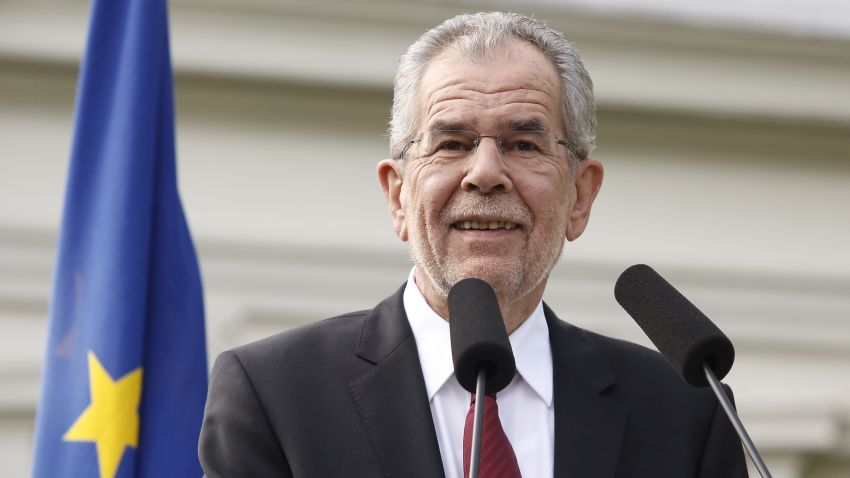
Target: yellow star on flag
112	418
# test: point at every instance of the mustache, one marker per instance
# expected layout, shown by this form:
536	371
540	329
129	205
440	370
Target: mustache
500	207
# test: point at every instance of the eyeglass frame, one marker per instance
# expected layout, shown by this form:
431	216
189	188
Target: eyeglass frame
571	146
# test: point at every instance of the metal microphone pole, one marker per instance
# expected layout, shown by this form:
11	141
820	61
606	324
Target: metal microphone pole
475	452
736	422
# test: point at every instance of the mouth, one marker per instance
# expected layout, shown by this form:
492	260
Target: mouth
484	225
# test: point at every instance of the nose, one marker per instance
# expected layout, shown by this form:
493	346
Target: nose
485	171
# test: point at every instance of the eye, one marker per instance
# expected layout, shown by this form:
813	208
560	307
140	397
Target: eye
452	145
523	145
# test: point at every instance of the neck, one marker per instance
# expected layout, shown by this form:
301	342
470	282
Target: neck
514	312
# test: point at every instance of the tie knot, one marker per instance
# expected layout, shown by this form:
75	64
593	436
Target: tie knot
490	397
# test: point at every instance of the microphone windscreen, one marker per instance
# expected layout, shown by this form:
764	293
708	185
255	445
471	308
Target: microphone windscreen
683	334
478	336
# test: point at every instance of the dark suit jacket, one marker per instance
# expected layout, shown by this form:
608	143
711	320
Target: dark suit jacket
345	397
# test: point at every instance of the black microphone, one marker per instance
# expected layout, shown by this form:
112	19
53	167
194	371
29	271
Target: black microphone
696	348
481	352
478	336
683	334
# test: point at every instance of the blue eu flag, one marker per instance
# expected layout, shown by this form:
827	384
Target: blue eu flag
125	373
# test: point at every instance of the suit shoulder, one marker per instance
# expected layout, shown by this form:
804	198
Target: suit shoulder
642	367
619	349
323	338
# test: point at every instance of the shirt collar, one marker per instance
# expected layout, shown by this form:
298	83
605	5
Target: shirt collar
530	344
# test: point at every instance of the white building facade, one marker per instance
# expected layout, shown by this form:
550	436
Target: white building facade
724	135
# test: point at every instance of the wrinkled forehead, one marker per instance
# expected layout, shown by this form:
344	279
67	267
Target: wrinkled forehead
511	84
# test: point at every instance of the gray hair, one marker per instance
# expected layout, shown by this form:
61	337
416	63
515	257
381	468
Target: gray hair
476	35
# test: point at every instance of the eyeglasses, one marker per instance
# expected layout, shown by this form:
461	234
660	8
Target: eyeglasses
519	146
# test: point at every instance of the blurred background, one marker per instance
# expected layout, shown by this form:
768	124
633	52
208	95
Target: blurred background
724	127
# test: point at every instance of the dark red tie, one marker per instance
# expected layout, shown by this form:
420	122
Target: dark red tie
497	455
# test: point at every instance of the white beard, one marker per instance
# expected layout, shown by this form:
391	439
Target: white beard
512	278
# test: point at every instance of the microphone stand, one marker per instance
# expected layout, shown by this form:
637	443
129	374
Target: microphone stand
475	452
736	422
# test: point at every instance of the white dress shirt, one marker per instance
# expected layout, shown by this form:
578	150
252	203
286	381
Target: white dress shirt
525	405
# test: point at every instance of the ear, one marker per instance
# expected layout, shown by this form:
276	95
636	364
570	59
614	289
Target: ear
391	178
588	181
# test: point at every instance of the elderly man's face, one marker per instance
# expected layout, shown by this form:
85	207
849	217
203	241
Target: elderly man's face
527	208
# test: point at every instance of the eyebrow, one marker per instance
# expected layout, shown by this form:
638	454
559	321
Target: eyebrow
531	125
441	126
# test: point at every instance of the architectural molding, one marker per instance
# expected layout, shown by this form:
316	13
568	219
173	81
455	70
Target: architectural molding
254	290
271	282
676	66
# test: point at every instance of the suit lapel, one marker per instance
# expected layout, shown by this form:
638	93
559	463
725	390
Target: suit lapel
589	422
391	397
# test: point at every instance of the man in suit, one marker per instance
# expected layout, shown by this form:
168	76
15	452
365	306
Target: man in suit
493	124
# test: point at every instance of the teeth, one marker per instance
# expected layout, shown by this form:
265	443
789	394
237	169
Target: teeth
486	225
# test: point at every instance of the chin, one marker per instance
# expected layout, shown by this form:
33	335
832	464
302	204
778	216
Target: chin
506	278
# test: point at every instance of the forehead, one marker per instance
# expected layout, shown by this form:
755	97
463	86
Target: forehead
513	83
